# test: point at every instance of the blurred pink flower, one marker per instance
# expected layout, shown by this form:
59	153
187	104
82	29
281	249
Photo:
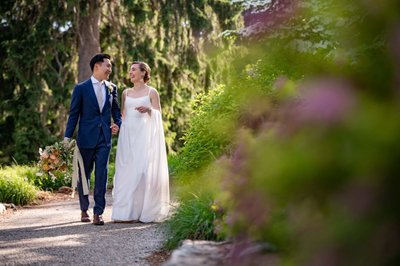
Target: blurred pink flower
323	102
231	218
255	207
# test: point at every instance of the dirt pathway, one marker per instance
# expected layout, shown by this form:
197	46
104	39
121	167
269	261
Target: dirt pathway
51	234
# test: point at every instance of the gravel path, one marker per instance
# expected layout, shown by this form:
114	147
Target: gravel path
51	234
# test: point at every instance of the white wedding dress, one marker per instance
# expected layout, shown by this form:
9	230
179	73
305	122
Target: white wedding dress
141	181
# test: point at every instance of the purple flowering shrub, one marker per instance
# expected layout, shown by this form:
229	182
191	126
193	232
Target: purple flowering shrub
312	172
314	168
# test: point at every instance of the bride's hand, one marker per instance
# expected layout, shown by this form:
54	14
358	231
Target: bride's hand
143	109
114	128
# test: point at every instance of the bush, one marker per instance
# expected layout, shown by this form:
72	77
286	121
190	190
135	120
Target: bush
316	173
318	180
15	186
208	135
52	182
194	219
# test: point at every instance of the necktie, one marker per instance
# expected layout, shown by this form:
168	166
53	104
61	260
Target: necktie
99	95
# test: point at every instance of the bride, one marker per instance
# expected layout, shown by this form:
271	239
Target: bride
141	181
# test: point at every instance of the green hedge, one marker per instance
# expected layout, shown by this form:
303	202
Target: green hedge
208	135
15	186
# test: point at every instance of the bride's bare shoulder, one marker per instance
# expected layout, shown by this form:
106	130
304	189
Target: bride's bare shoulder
126	91
152	90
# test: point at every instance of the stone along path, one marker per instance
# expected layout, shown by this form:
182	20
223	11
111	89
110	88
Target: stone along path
51	234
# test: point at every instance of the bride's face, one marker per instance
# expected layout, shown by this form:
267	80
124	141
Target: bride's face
135	74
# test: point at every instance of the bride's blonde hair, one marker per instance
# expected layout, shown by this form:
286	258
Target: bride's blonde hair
144	67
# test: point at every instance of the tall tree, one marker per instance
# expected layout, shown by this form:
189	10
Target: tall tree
88	20
38	44
176	38
46	47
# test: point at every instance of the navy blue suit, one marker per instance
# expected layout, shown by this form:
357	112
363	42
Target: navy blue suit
94	136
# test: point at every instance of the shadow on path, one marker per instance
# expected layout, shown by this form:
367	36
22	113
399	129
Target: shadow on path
52	235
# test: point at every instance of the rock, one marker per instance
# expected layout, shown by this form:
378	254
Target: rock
2	208
9	206
65	190
5	206
199	252
196	253
257	248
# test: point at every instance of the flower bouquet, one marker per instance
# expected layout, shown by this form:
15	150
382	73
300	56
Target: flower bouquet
55	165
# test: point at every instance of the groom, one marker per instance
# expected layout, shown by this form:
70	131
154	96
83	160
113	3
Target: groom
93	103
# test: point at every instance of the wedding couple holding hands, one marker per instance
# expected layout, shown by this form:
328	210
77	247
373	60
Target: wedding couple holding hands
141	181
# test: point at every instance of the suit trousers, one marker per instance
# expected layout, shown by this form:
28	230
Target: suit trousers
97	157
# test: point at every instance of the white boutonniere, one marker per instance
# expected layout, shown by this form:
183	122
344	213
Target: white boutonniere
110	87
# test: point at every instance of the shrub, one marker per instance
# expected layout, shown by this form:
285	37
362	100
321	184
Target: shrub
319	179
15	186
208	135
194	219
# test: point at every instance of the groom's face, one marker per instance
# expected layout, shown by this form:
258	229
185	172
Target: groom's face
103	69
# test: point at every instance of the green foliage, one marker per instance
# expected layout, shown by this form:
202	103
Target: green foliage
111	173
319	186
39	53
37	74
313	169
208	134
305	176
15	186
197	16
51	182
193	219
173	40
196	217
226	12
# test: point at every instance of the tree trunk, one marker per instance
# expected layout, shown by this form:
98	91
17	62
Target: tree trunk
89	37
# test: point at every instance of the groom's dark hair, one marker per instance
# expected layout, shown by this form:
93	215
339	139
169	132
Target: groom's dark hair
98	58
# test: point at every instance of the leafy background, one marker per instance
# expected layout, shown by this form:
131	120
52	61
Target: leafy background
282	130
39	50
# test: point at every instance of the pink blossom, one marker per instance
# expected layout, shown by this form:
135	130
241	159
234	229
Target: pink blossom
324	101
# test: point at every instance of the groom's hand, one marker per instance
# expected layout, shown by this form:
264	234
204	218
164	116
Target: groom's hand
114	129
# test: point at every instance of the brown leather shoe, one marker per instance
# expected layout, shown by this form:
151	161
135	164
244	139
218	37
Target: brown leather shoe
98	220
85	217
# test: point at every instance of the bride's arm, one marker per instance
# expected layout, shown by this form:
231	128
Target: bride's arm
155	100
123	103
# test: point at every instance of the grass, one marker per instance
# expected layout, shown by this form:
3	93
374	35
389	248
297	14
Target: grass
19	184
15	186
193	219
